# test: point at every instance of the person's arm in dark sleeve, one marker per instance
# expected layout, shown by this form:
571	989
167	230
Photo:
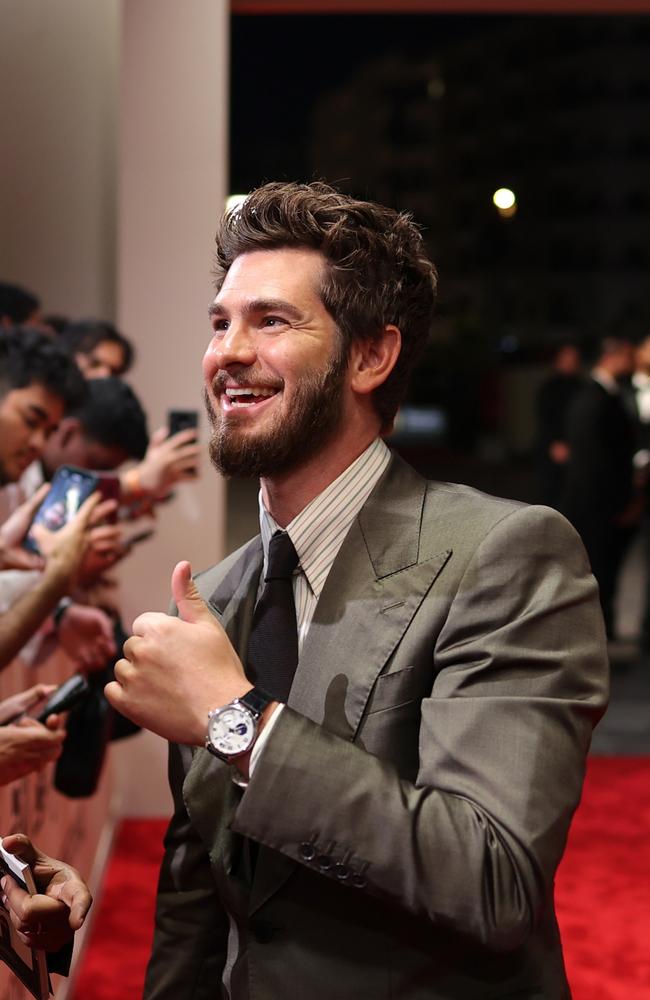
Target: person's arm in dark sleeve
191	929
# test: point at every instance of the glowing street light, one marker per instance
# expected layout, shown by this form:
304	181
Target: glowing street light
505	202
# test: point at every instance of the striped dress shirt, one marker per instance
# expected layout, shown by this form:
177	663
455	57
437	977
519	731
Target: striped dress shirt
318	531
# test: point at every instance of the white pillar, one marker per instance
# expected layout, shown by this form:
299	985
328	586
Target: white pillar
172	183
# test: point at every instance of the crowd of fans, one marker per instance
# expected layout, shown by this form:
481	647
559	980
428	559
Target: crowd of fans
63	403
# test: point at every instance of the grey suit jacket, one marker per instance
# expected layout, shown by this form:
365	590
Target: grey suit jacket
413	801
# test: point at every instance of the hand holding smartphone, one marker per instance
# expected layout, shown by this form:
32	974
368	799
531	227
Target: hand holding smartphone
182	420
70	487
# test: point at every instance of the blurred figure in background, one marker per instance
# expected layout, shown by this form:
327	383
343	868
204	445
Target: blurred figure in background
99	349
641	397
599	495
555	396
38	384
27	745
27	599
18	307
102	352
108	429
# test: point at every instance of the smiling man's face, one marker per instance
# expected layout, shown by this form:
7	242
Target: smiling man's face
274	374
27	418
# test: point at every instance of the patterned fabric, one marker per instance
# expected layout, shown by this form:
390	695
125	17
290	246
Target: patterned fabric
318	531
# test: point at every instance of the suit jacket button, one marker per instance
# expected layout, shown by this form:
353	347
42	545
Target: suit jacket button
307	851
358	881
262	930
324	862
341	871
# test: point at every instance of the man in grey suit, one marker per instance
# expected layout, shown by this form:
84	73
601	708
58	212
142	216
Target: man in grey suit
391	825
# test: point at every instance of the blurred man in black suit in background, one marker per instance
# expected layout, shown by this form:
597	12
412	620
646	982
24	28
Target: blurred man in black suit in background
641	397
599	496
554	399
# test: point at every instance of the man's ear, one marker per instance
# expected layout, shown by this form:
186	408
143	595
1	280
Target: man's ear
372	360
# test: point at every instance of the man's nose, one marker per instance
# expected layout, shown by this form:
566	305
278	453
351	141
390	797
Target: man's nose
234	346
38	439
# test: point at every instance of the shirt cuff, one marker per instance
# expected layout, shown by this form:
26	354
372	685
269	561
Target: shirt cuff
263	737
258	747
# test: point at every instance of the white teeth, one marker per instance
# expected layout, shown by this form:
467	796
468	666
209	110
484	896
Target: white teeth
252	391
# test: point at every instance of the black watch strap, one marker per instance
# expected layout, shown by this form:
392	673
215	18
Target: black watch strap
256	699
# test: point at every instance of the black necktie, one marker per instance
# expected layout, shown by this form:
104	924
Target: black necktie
272	655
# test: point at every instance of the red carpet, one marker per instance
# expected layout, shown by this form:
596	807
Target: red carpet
603	895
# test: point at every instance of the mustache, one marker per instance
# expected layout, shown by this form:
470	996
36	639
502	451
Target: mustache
245	378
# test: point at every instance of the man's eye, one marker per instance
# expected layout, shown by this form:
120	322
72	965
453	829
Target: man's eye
219	325
273	321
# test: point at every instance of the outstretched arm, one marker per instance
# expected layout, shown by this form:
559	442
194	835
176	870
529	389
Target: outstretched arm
48	920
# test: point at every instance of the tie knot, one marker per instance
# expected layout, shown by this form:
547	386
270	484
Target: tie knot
283	557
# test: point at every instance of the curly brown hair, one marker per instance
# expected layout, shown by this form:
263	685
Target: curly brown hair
378	271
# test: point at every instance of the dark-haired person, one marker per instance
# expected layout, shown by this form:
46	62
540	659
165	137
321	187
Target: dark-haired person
106	430
26	603
39	382
109	429
98	347
553	401
19	307
599	495
374	782
101	351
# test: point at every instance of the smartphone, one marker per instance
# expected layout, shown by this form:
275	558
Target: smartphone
182	420
110	489
68	694
69	488
140	536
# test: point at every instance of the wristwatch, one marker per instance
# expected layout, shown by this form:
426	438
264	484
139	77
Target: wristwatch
232	729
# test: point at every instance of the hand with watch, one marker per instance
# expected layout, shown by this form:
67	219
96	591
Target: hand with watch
176	670
233	729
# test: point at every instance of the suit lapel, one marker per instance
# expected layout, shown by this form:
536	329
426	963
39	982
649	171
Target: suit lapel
374	588
233	599
378	580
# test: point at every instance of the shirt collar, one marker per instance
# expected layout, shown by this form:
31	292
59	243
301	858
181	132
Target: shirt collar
317	532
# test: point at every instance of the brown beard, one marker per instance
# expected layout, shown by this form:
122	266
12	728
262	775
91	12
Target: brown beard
315	417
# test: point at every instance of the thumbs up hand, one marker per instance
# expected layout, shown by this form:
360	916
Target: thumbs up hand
176	670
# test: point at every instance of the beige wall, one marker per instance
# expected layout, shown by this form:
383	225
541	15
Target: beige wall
172	187
99	97
58	81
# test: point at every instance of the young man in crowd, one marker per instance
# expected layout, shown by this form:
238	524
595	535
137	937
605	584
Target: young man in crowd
38	384
380	707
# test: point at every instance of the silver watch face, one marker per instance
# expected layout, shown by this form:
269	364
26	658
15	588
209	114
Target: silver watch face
231	730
